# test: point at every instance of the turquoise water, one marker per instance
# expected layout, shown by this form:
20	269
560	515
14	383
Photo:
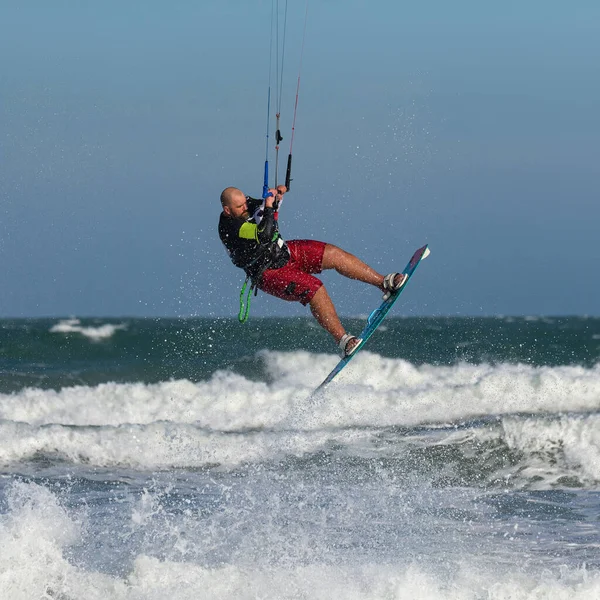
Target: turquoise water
453	458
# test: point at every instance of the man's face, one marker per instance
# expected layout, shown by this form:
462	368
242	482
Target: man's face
238	207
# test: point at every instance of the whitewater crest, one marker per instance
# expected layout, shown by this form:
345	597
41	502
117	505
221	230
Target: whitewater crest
377	391
100	332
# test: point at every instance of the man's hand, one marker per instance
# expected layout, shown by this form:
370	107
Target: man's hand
275	195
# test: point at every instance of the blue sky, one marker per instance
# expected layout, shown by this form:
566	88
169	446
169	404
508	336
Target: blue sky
471	126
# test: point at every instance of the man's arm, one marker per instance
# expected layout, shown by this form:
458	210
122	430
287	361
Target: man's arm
264	232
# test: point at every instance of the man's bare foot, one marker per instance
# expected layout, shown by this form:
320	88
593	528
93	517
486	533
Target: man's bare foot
351	345
392	283
399	280
348	344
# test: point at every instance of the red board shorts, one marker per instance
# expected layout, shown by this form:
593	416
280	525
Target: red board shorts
294	281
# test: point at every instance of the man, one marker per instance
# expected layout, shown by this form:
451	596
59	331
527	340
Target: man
249	229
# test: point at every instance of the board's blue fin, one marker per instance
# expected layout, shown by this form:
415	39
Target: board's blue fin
378	314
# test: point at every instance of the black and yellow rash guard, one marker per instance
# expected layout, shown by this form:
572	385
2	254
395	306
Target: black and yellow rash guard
254	244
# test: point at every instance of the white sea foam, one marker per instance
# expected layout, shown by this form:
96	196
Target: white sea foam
100	332
231	420
157	579
33	536
374	391
152	446
36	533
575	438
569	448
385	391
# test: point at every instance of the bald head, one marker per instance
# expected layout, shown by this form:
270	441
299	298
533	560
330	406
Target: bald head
229	194
233	202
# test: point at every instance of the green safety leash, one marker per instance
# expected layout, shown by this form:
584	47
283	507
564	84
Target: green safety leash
245	310
254	280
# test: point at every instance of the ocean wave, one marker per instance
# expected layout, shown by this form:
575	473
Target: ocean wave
151	446
522	424
100	332
515	452
571	441
375	391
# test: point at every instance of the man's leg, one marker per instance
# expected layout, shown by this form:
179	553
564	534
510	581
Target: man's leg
350	266
324	312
